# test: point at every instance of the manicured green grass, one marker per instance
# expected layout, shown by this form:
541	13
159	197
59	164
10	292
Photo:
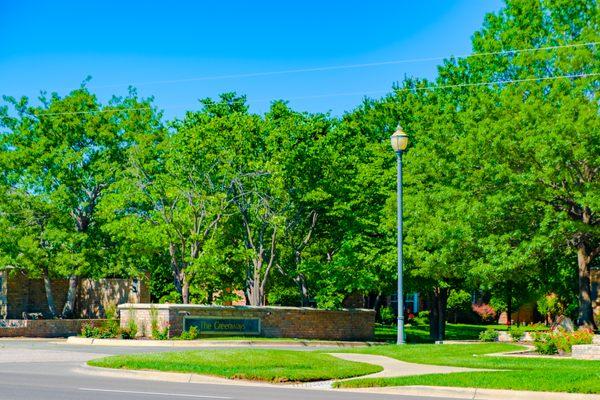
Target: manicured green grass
420	334
518	373
254	364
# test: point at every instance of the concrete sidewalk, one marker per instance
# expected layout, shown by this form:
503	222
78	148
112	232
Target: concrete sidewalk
393	367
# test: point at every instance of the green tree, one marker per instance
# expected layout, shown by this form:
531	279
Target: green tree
70	150
538	140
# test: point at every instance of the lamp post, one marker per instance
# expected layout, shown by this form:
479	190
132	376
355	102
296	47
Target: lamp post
399	142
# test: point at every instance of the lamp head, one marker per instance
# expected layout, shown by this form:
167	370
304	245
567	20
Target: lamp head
399	140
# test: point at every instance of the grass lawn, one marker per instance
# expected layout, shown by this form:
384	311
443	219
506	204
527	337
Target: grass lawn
539	374
254	364
420	334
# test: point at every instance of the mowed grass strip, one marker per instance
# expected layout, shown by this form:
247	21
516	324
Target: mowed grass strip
518	373
251	364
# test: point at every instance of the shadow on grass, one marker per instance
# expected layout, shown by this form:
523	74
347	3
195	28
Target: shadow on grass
420	333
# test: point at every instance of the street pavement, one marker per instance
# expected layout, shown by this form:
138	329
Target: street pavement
48	370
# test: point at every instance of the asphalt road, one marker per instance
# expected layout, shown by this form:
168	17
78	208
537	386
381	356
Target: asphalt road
43	370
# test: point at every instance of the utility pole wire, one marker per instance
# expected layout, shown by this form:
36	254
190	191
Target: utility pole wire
341	67
432	87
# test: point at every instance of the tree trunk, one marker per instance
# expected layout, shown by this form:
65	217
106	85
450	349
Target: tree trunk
254	291
586	315
304	298
175	269
437	316
49	295
377	303
185	289
509	306
69	308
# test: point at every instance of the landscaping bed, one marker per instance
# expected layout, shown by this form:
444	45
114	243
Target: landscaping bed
251	364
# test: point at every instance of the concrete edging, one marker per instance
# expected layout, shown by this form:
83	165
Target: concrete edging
430	391
473	393
213	343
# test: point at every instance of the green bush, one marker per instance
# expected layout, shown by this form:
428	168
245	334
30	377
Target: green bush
560	341
90	331
459	301
422	318
489	335
516	332
191	334
387	315
544	344
153	319
160	334
130	332
107	329
566	340
550	306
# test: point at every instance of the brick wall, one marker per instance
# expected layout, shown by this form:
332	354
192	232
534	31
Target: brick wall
46	328
93	296
284	322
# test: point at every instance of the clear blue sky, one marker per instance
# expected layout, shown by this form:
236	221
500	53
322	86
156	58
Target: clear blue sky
54	45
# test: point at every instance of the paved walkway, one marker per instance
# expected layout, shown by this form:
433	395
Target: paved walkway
393	367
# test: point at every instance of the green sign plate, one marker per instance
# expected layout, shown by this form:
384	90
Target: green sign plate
225	326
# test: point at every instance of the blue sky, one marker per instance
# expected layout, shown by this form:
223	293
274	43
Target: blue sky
54	45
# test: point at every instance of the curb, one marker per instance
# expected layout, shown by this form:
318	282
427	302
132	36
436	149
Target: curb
429	391
181	377
474	393
212	343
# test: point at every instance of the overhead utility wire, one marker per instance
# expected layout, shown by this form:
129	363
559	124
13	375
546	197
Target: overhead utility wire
340	67
432	87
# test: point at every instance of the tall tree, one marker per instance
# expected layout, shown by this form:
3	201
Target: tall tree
70	149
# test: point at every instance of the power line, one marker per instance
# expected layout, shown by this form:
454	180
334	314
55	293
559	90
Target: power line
432	87
341	67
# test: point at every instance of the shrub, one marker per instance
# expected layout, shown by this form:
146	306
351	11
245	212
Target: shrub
153	319
90	331
516	332
191	334
130	332
459	301
550	306
565	340
485	312
489	335
560	341
544	344
108	329
387	315
422	318
160	334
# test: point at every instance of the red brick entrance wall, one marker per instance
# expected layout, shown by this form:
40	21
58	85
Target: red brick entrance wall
284	322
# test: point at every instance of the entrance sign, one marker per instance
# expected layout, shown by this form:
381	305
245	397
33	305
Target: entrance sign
227	326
